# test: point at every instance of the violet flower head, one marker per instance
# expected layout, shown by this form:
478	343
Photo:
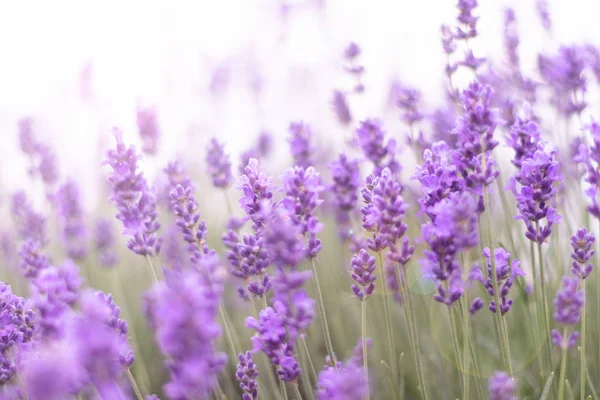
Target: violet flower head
135	201
188	215
30	224
541	7
506	273
257	188
363	273
187	332
467	28
339	105
104	239
523	138
384	209
27	140
218	164
346	181
176	175
407	99
246	374
372	141
284	239
48	165
511	38
590	158
352	51
534	187
456	218
114	321
568	304
147	124
345	383
18	328
501	387
582	243
249	261
72	220
33	260
301	144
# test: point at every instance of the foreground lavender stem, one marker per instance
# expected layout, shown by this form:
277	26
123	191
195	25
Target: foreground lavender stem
583	365
363	309
322	315
544	301
563	369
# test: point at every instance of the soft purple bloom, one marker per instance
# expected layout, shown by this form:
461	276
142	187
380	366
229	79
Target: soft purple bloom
218	164
33	260
257	188
541	7
372	140
30	224
104	239
582	243
135	201
523	138
301	144
590	158
456	218
246	374
17	328
284	239
114	321
467	28
188	215
147	124
346	181
47	165
72	220
352	51
568	302
511	38
501	387
407	99
475	306
340	107
363	273
27	140
383	212
345	383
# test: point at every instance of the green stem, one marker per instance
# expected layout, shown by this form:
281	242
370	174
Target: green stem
235	350
151	268
297	391
388	321
598	294
563	368
282	388
323	316
311	365
363	307
544	301
536	322
583	376
134	385
480	391
457	355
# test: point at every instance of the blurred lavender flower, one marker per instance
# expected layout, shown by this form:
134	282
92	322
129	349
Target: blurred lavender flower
135	201
48	165
345	383
33	260
506	274
30	224
511	38
105	243
590	158
371	139
407	100
187	215
544	14
301	144
501	387
582	242
356	70
246	374
17	329
363	273
468	28
346	180
257	188
260	150
27	140
340	107
114	321
568	303
218	164
523	138
148	129
72	220
187	332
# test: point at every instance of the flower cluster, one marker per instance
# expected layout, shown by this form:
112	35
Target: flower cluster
42	156
104	239
371	139
582	242
301	144
257	189
590	158
346	180
72	220
218	164
568	303
501	386
246	374
147	125
345	383
363	273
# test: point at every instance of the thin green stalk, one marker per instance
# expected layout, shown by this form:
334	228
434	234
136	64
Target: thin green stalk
311	365
536	322
151	268
480	391
134	385
582	357
388	320
598	295
235	350
457	355
547	386
363	307
297	391
282	388
497	314
544	301
323	316
402	376
590	385
563	368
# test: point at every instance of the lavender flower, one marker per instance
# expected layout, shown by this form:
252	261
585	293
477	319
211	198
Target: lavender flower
301	144
371	139
351	53
33	260
246	374
135	201
42	380
74	232
218	164
506	273
541	7
340	107
524	138
568	303
468	21
363	273
47	165
346	383
29	223
185	208
590	158
186	332
511	38
407	100
346	180
18	328
148	129
105	243
27	141
501	387
257	188
582	242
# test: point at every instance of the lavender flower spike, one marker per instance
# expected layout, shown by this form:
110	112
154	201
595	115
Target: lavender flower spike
568	303
301	144
345	383
346	180
218	164
74	232
148	129
501	387
363	273
246	374
257	189
582	242
382	153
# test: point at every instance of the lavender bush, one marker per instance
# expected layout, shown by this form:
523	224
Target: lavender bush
438	252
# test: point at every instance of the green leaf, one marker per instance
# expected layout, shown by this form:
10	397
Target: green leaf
547	387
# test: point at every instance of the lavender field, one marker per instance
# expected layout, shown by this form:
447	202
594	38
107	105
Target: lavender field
379	239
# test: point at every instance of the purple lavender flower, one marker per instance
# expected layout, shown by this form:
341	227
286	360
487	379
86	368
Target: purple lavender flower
18	328
582	242
301	144
356	70
340	107
363	273
535	195
148	129
105	243
27	140
383	213
568	303
346	383
47	165
468	21
186	211
135	201
42	380
506	273
114	321
187	331
30	224
590	158
511	38
407	100
501	387
371	139
346	180
246	374
524	137
456	218
33	260
257	188
73	230
541	7
218	164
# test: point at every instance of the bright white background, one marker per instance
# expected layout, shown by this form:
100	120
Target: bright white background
80	67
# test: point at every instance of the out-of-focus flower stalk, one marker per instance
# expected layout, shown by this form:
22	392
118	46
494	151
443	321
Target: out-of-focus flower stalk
544	297
563	368
323	317
363	314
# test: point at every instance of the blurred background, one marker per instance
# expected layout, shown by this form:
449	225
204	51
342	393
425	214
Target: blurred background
229	68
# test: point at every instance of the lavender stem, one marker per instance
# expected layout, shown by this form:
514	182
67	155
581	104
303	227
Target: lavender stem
563	368
134	385
297	391
544	299
363	308
457	355
311	365
582	357
323	316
